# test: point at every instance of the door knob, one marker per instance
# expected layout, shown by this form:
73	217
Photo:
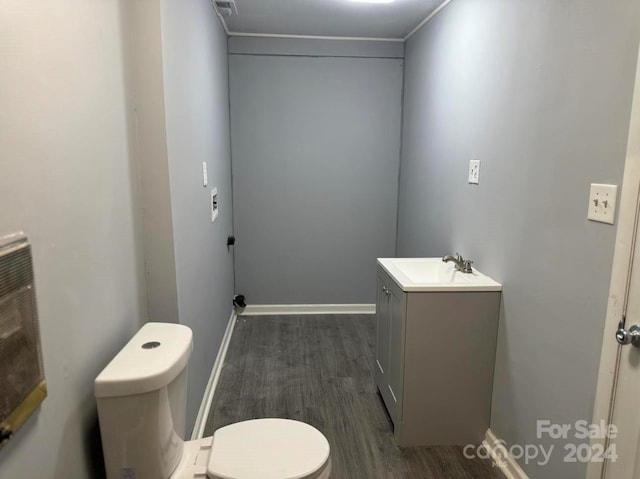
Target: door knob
632	336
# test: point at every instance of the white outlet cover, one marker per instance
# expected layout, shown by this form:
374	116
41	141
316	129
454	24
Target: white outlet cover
474	172
205	176
602	203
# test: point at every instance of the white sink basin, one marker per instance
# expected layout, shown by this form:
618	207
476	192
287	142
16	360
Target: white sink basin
432	274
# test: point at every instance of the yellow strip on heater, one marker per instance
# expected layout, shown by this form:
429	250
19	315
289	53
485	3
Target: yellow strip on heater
19	416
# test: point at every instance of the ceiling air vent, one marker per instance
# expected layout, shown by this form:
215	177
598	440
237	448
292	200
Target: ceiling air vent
226	8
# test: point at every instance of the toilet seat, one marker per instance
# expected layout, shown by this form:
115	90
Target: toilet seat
269	449
257	449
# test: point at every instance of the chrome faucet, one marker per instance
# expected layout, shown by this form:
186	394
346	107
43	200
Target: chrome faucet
463	265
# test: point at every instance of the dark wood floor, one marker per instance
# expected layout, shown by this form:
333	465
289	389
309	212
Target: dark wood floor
318	369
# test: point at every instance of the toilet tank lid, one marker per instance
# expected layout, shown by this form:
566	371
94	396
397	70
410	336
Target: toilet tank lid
149	361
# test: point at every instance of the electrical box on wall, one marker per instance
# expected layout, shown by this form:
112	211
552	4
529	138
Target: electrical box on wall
474	172
214	204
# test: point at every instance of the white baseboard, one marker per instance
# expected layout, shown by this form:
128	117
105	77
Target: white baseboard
269	309
505	461
205	406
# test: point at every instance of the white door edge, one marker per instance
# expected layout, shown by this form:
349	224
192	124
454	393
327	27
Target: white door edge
629	204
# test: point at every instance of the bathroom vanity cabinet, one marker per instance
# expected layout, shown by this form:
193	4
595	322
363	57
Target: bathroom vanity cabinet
434	361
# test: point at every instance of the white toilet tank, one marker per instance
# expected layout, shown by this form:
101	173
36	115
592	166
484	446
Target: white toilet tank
141	397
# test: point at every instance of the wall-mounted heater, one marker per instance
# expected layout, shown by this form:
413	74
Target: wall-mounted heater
22	384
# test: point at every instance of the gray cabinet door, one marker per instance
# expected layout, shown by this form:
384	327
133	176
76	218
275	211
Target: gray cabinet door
390	341
396	352
382	334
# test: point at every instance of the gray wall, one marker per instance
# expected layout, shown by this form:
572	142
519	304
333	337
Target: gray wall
177	66
315	144
66	180
540	92
196	96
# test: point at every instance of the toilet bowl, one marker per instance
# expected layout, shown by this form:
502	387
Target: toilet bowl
141	397
258	449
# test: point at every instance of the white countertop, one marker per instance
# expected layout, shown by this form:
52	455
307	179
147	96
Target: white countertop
432	274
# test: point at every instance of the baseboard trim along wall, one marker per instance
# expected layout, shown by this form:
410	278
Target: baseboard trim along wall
283	309
503	459
207	399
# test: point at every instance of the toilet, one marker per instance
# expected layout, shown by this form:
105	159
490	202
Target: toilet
141	397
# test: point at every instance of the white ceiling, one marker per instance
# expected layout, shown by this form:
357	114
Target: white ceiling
330	18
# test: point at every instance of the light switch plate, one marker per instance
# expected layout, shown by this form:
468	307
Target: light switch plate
602	203
474	172
205	176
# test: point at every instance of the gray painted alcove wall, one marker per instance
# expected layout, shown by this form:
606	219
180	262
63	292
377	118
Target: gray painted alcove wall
196	96
540	92
315	144
177	70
